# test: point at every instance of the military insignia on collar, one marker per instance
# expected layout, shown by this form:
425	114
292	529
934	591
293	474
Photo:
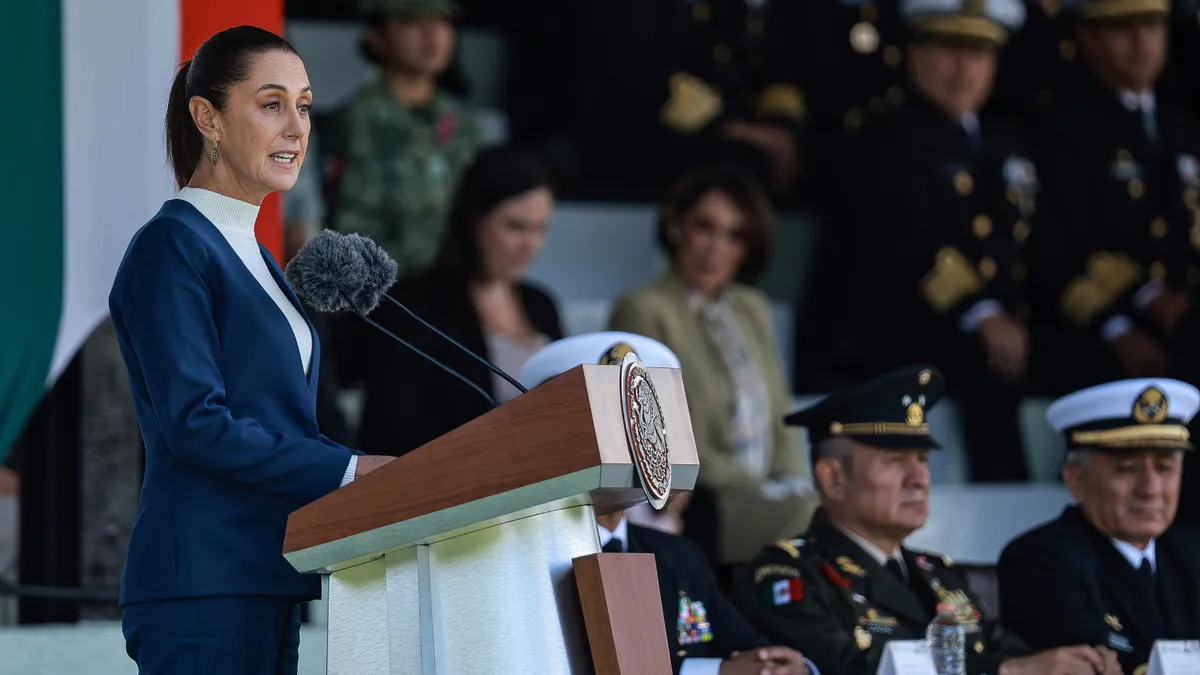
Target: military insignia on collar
785	571
862	637
1151	406
874	623
834	576
792	546
692	624
924	563
850	567
1113	622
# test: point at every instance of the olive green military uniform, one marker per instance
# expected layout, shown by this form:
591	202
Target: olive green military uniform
824	595
401	163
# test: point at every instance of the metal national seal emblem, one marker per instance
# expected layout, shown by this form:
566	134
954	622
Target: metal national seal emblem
645	430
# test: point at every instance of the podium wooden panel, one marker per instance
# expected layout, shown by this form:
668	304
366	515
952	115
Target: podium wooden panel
624	638
456	559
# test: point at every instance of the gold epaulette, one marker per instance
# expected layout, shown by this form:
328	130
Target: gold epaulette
1108	277
791	546
692	105
951	279
782	100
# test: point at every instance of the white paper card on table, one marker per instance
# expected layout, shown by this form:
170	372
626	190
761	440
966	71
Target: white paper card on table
1174	657
906	657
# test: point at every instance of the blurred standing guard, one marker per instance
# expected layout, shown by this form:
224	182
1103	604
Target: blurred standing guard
1121	178
405	141
670	84
1112	569
938	228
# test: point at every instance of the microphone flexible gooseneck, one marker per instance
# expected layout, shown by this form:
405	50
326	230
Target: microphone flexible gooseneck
490	366
336	272
491	401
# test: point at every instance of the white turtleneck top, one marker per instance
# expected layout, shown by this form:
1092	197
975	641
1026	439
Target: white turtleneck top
235	219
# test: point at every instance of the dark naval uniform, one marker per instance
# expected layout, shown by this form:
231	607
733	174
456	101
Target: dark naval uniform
939	224
1118	211
1064	583
663	76
824	595
701	622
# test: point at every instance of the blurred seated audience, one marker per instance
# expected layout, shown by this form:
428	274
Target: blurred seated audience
716	226
669	84
476	293
1112	569
403	139
936	204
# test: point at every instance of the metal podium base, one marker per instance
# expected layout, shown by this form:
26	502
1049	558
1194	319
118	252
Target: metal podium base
497	599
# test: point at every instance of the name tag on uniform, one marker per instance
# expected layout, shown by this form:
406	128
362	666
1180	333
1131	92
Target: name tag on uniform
906	657
1175	657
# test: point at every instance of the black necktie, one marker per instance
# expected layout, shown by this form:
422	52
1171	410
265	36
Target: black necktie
614	545
1146	574
897	571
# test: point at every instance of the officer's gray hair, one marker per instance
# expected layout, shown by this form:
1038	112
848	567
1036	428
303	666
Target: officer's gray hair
841	449
1079	458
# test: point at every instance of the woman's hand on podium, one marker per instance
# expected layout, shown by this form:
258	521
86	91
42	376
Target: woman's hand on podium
765	661
368	463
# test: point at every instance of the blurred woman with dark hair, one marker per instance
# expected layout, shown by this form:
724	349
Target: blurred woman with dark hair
715	227
475	292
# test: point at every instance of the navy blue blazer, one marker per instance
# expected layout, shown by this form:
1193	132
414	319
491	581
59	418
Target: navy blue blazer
227	413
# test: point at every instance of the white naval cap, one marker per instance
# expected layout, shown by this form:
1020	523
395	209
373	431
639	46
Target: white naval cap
986	20
562	355
1142	414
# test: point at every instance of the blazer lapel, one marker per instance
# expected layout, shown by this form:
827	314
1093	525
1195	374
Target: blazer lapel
310	376
1177	591
1126	588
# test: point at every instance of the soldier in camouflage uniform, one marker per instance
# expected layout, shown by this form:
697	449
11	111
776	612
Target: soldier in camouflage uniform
849	585
405	140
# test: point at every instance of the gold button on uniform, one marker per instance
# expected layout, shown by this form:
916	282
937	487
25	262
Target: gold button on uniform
1158	228
963	183
981	226
891	56
1158	271
987	268
721	54
864	38
1017	271
1021	231
1136	188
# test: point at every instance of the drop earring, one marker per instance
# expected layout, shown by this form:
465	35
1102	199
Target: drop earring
216	150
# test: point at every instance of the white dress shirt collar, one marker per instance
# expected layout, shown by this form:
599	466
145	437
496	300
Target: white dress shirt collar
877	554
1134	102
1135	555
620	533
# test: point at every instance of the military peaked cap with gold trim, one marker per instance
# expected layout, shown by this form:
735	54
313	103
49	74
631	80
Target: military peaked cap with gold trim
989	21
1127	415
887	412
1117	10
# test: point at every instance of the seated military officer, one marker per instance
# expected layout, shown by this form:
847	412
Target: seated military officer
845	588
937	206
1112	569
705	633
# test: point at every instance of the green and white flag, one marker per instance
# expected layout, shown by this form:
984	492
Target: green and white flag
83	169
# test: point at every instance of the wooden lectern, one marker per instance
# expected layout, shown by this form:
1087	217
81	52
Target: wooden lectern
457	558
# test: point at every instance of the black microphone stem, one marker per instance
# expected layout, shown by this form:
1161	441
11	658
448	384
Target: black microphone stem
491	401
454	342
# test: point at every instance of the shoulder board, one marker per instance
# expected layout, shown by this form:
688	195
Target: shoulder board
791	546
945	559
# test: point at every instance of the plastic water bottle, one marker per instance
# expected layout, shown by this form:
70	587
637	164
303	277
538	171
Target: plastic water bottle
947	642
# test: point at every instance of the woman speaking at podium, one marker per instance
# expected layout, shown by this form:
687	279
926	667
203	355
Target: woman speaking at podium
223	364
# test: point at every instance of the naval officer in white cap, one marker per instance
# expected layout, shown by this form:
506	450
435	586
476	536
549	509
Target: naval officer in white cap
706	634
1112	570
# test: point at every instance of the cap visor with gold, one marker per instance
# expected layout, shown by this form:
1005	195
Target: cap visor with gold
1127	415
887	412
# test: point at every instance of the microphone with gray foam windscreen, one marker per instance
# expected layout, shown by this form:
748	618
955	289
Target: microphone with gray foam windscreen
331	274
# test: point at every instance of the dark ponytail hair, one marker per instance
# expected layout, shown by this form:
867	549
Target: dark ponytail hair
224	60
